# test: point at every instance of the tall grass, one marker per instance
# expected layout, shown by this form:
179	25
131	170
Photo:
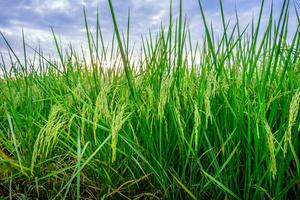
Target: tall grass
218	120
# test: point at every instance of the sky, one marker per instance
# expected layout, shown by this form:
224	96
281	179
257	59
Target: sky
36	17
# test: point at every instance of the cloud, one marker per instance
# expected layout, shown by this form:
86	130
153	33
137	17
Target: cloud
66	17
46	6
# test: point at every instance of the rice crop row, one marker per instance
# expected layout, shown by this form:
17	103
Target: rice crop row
218	119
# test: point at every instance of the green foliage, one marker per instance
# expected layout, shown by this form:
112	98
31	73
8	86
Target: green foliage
177	121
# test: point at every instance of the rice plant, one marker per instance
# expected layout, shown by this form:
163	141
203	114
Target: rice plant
214	120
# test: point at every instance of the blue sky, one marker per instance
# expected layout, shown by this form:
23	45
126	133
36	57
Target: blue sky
66	17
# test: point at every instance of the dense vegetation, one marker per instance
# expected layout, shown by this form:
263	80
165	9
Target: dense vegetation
214	120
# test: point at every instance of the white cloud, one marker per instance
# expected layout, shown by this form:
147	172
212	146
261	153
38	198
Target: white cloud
43	7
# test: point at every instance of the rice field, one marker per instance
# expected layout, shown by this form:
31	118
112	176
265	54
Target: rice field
171	119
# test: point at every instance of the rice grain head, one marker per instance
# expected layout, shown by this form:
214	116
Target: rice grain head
48	135
118	120
163	96
271	147
197	121
101	108
149	96
208	94
84	117
177	114
294	108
